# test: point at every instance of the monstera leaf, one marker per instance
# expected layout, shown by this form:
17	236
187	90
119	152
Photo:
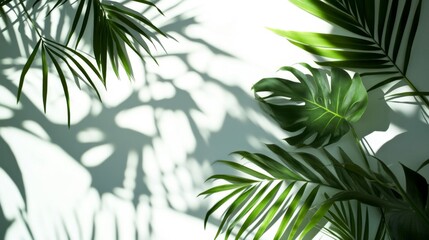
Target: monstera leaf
379	42
320	109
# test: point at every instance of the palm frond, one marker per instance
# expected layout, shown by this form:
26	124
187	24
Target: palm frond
55	52
350	220
281	191
284	191
380	40
116	30
116	27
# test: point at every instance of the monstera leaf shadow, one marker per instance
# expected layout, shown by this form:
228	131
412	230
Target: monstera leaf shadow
109	173
411	130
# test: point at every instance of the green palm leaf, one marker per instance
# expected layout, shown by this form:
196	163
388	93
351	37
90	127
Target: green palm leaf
284	191
380	40
76	62
273	194
116	27
321	109
411	221
350	220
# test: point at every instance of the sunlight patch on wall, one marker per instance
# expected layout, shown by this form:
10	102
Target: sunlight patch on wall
97	155
378	138
90	135
10	199
140	119
8	99
5	113
36	129
170	67
176	133
189	81
161	90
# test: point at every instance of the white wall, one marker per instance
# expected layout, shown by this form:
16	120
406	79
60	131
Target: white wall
132	166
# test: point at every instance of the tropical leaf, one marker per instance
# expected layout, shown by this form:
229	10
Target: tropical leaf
116	28
412	220
351	220
322	109
56	52
380	40
284	191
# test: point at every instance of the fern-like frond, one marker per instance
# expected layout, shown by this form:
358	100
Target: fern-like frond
115	29
53	52
380	39
266	191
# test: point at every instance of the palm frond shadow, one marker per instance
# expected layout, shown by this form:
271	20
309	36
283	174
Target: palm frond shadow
124	141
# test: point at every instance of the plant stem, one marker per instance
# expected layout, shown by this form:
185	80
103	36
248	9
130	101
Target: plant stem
360	146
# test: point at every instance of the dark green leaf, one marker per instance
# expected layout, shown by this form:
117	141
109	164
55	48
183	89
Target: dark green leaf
246	170
293	163
331	14
411	37
45	77
318	108
302	213
249	193
423	165
382	35
63	83
221	203
247	206
258	209
26	68
417	187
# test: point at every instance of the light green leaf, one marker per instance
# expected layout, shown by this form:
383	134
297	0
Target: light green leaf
258	209
287	217
221	203
302	213
380	36
274	211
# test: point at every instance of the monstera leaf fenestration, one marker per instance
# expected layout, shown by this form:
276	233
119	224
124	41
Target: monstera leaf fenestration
322	109
379	42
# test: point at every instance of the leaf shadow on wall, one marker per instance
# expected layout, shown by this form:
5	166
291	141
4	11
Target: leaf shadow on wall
137	167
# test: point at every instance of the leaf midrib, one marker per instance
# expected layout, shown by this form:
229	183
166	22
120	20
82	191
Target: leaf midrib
372	37
324	108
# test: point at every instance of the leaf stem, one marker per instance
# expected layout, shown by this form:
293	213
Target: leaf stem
360	146
401	72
